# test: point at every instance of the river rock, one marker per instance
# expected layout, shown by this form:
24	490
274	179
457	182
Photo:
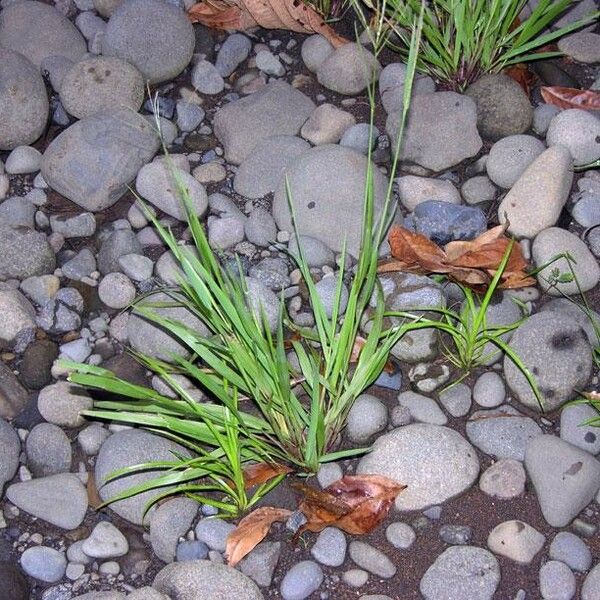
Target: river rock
510	156
452	463
327	208
441	130
462	572
516	540
536	199
503	108
48	450
101	83
413	190
93	161
37	31
195	579
23	99
62	403
154	36
348	70
569	486
571	550
573	430
554	241
24	253
276	109
170	521
556	351
126	448
18	320
60	499
10	447
577	130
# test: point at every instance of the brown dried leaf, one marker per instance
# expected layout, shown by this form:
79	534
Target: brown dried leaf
251	530
355	503
565	97
472	263
292	15
263	472
522	75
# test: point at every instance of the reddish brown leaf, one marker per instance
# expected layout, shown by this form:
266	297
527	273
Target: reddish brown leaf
251	530
263	472
292	15
355	503
472	263
522	75
565	97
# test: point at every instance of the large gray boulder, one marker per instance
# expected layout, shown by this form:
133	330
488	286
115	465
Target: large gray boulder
435	462
276	109
37	30
153	35
327	185
94	160
125	449
23	100
556	351
205	580
441	130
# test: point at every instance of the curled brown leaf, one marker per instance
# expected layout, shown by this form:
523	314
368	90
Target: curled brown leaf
565	97
251	530
262	472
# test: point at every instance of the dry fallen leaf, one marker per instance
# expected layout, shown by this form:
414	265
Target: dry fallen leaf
293	15
472	263
522	75
355	503
565	97
251	530
263	472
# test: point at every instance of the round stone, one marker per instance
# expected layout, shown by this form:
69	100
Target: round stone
452	464
330	547
579	131
153	35
38	30
400	535
557	582
321	201
554	241
371	559
100	83
62	403
301	580
510	156
23	100
48	450
315	50
367	417
503	108
116	290
556	351
571	550
489	390
505	479
464	572
44	563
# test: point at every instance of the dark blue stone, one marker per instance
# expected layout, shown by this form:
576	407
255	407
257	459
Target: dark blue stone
166	106
191	550
443	222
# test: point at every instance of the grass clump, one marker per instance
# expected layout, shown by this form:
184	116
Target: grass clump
464	39
263	409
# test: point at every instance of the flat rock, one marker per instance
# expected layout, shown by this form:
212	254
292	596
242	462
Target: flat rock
60	499
348	70
24	253
154	36
573	430
261	562
591	586
44	563
10	448
327	208
23	99
510	156
62	403
262	169
502	432
556	351
38	30
441	130
93	161
536	199
413	190
571	550
195	579
554	241
452	463
326	125
330	547
170	521
126	448
101	83
583	46
422	408
516	540
301	580
48	450
276	109
504	479
462	573
152	339
160	184
105	541
371	559
569	486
